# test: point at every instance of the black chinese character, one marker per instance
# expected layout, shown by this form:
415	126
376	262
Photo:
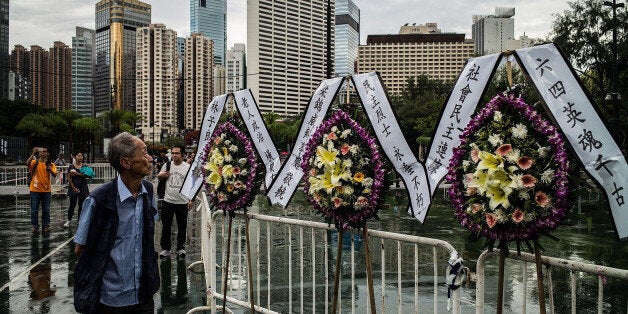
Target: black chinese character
419	200
407	168
323	90
254	125
313	119
416	182
385	130
557	89
260	137
398	154
442	149
214	107
599	164
573	114
307	132
374	101
250	116
465	91
450	129
619	198
588	142
433	168
297	162
367	87
268	155
318	104
288	178
380	114
280	192
245	104
543	62
473	73
456	112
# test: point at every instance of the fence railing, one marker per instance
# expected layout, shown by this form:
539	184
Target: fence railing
574	268
293	263
17	176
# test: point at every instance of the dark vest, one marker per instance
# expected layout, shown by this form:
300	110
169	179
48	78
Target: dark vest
101	237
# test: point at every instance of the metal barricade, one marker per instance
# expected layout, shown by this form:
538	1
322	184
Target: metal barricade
301	250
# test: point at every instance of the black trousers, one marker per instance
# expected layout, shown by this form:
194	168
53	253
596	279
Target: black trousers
169	210
73	198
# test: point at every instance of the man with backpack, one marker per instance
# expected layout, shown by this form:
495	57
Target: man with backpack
174	203
40	168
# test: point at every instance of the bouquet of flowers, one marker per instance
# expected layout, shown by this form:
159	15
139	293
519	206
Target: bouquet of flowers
230	168
509	175
344	170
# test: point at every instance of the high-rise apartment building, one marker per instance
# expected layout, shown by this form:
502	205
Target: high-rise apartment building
180	82
19	87
83	71
20	61
39	60
198	79
156	75
491	33
114	70
399	57
209	18
286	56
347	37
60	77
4	49
236	68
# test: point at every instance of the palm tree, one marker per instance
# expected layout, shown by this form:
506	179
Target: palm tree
69	116
36	129
88	130
119	120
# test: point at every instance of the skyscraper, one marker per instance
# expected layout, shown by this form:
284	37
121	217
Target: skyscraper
20	61
209	17
491	33
4	49
236	68
38	63
83	71
114	70
198	79
347	37
286	58
156	80
60	77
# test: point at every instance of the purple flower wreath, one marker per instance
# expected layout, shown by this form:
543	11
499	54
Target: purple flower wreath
507	184
344	171
230	168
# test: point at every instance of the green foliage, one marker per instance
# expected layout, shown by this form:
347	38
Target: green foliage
283	132
584	33
418	108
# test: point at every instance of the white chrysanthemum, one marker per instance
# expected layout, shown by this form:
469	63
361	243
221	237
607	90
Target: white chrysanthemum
524	195
497	116
547	176
367	182
345	133
513	155
227	142
354	149
495	139
501	217
233	148
228	158
543	151
244	172
465	164
334	129
516	181
519	131
242	161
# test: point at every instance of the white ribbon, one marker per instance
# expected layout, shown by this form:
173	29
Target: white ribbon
376	105
249	111
572	109
283	186
194	178
456	114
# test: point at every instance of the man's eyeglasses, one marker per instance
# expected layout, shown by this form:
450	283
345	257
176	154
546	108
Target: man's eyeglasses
175	153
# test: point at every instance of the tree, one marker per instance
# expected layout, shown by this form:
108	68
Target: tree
584	34
36	129
120	120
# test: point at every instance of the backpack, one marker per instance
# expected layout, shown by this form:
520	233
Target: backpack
161	185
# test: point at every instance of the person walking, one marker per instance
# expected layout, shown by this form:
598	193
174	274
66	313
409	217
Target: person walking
78	188
117	270
40	169
174	203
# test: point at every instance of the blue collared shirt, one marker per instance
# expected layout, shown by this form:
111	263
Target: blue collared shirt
121	280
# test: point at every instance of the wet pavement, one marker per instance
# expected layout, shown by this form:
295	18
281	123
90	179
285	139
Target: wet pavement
47	287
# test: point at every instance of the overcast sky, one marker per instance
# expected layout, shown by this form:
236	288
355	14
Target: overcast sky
41	22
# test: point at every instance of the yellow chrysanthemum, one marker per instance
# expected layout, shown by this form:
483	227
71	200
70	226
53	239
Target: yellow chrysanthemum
358	177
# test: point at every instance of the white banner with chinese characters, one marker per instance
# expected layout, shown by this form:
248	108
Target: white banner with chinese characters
247	107
194	178
376	105
456	114
284	185
572	109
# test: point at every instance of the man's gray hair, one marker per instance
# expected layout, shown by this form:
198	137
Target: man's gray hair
121	145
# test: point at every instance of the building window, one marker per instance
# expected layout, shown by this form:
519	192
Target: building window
203	4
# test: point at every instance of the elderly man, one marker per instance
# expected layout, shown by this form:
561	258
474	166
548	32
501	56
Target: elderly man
117	268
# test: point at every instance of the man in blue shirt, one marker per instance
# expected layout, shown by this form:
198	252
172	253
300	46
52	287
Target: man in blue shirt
117	267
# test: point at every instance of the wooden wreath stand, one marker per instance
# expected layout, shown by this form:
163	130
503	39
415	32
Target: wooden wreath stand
539	276
248	258
369	270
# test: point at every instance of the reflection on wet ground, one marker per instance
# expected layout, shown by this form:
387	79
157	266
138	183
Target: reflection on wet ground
47	287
